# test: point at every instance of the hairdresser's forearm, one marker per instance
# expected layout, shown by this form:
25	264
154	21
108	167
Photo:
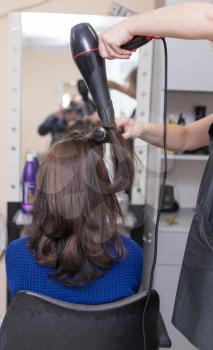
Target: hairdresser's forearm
176	136
186	21
179	138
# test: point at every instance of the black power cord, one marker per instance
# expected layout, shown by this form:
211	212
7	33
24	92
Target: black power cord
161	190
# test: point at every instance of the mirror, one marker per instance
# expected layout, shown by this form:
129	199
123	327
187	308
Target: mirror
49	75
41	71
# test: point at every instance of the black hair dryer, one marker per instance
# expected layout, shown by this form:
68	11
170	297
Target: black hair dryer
84	47
88	103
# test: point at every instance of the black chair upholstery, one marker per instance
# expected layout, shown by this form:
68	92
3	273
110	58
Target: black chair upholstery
36	322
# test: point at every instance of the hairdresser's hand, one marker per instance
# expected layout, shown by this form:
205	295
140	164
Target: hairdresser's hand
130	128
112	38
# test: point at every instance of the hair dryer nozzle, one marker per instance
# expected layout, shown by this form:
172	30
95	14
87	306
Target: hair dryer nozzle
84	47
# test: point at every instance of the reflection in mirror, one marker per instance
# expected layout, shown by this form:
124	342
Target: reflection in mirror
53	93
50	78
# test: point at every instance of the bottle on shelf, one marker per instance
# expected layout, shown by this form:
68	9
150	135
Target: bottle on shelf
36	161
200	112
181	120
169	204
171	120
29	183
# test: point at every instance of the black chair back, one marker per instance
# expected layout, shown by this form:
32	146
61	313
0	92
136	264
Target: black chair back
36	322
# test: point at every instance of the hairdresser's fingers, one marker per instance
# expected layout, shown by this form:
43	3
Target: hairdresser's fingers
115	36
106	51
120	123
126	126
127	135
118	50
129	130
102	50
110	53
113	54
124	123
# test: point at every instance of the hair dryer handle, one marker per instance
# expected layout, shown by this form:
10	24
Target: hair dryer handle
137	42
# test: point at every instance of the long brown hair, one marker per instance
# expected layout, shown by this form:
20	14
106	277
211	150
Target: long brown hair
76	209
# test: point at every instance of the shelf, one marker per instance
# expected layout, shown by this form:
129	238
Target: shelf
197	157
183	219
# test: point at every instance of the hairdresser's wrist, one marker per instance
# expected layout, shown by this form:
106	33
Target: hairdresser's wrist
138	25
151	23
131	25
142	130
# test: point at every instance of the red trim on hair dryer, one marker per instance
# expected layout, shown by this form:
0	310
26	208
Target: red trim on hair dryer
83	52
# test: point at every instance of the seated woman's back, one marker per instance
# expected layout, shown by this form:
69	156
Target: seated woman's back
121	280
73	251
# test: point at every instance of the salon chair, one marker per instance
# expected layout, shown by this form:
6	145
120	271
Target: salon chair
37	322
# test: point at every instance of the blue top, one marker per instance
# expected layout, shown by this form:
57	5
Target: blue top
123	279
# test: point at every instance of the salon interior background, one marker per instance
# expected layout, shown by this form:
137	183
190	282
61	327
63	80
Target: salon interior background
64	6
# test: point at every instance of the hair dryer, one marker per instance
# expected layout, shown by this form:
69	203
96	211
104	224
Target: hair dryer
84	47
83	91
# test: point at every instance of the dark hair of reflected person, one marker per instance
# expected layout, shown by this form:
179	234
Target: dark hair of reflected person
74	228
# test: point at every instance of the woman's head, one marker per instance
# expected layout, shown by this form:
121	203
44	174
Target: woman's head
75	212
